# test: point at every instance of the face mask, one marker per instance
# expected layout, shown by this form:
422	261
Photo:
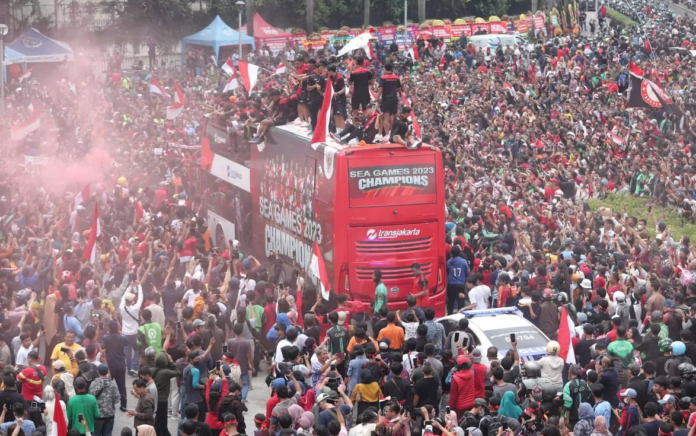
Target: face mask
627	400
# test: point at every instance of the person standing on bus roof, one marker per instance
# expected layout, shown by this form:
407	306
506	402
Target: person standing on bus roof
389	90
420	286
381	295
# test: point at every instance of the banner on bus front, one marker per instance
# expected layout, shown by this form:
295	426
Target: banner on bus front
404	180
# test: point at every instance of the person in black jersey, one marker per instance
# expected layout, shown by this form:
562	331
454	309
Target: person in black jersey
364	127
401	131
389	90
338	106
303	69
360	78
316	85
280	110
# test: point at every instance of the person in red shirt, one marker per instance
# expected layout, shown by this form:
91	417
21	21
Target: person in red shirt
420	286
270	311
32	377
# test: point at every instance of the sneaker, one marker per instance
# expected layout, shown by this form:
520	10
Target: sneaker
123	409
133	373
255	140
297	122
378	138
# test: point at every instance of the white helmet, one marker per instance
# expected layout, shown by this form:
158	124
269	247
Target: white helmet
553	348
235	245
619	297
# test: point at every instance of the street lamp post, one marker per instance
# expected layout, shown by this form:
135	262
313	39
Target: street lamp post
3	31
406	15
240	7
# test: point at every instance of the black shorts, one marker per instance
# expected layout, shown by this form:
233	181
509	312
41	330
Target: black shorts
339	108
359	103
389	106
303	97
280	122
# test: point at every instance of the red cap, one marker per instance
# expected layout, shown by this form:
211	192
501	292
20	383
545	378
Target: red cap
462	359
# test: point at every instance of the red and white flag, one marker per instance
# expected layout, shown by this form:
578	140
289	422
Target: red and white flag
139	211
566	331
156	88
280	69
177	108
25	75
82	196
233	83
317	267
249	73
22	130
321	132
413	51
60	426
228	67
91	248
414	120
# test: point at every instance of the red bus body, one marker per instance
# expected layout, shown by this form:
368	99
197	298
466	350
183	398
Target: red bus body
370	207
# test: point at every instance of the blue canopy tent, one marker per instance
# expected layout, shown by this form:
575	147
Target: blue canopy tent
217	34
13	57
34	46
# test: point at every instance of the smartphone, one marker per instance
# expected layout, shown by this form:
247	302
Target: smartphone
512	337
43	329
447	410
224	348
217	365
505	426
64	350
178	325
80	417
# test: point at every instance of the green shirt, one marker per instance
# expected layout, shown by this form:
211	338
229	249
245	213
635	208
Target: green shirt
622	349
380	297
85	404
153	335
258	312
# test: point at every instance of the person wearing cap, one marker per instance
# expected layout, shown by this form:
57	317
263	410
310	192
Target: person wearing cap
194	390
105	391
575	392
462	387
669	405
630	415
129	309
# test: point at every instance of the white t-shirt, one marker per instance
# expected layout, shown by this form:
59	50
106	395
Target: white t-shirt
21	358
190	297
130	315
279	354
480	295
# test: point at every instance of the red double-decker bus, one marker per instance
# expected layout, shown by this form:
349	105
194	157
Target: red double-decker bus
370	207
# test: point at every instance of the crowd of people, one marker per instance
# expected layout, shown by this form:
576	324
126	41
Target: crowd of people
529	135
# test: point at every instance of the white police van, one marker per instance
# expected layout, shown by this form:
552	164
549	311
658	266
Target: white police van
492	328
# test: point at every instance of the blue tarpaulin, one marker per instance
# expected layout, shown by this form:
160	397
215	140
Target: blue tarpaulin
217	34
13	57
34	46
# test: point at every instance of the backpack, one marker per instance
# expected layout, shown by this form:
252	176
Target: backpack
495	424
468	420
580	393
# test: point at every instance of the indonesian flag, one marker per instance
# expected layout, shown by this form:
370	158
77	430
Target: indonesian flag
82	196
60	427
91	248
317	267
618	140
233	83
177	108
413	52
21	131
322	130
442	65
373	95
566	331
228	67
249	73
414	120
139	211
156	88
25	75
280	69
511	90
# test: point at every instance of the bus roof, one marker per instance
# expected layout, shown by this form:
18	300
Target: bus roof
303	134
